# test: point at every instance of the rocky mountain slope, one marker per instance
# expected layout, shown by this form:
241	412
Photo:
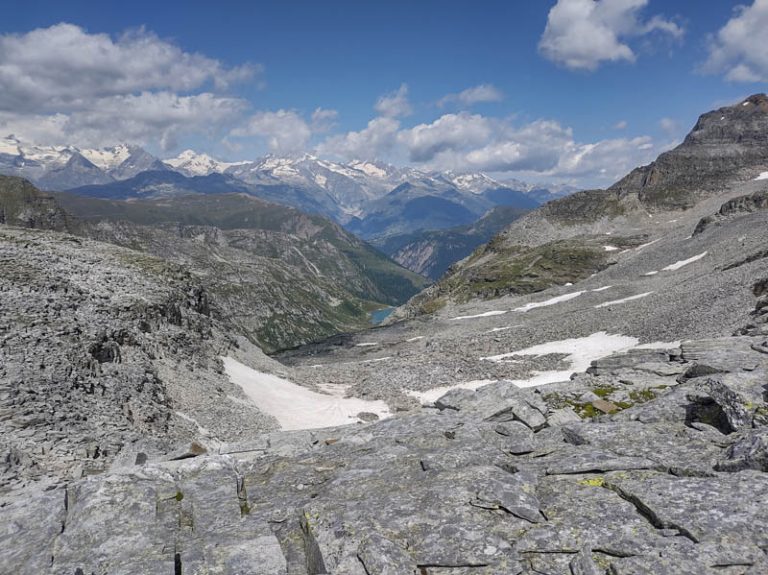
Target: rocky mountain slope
431	252
666	473
567	239
105	348
299	277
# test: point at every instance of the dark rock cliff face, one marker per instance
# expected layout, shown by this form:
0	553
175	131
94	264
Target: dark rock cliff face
731	141
24	206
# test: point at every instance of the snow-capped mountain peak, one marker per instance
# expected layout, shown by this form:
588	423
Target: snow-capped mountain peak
109	158
475	183
192	163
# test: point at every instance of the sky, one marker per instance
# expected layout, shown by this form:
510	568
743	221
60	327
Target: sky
569	91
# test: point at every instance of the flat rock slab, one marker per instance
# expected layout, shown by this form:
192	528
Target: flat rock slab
724	508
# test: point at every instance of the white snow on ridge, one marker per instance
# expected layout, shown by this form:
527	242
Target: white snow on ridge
552	301
762	176
677	265
624	300
532	305
294	406
486	314
107	158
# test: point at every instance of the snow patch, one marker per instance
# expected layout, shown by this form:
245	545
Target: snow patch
653	273
551	301
762	176
580	351
432	395
486	314
643	246
626	299
296	407
677	265
417	338
366	344
610	248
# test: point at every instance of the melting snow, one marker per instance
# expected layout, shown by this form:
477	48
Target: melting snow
552	301
610	248
294	406
432	395
581	352
677	265
366	344
417	338
762	176
486	314
653	273
640	247
626	299
602	288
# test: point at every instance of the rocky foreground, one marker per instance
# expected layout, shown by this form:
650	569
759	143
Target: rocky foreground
666	475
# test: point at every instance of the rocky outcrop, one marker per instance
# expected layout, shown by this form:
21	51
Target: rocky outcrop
21	204
101	349
501	480
725	143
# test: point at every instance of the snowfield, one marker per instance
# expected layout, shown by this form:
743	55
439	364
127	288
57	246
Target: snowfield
294	406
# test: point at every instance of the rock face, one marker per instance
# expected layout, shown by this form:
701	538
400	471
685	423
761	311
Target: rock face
24	206
105	350
431	253
731	141
501	480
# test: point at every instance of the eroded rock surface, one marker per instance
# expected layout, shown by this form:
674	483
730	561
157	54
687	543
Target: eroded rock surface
501	480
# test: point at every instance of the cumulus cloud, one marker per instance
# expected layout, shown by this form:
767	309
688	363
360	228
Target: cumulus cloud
449	132
395	104
285	131
373	142
582	34
323	120
466	142
740	49
474	95
69	86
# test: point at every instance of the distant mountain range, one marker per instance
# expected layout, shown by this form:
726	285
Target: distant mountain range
374	200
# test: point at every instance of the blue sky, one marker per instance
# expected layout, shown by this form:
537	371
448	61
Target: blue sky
568	90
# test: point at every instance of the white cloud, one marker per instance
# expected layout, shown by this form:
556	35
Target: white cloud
323	120
471	142
669	126
474	95
64	85
582	34
740	48
395	104
373	142
449	132
285	131
620	125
